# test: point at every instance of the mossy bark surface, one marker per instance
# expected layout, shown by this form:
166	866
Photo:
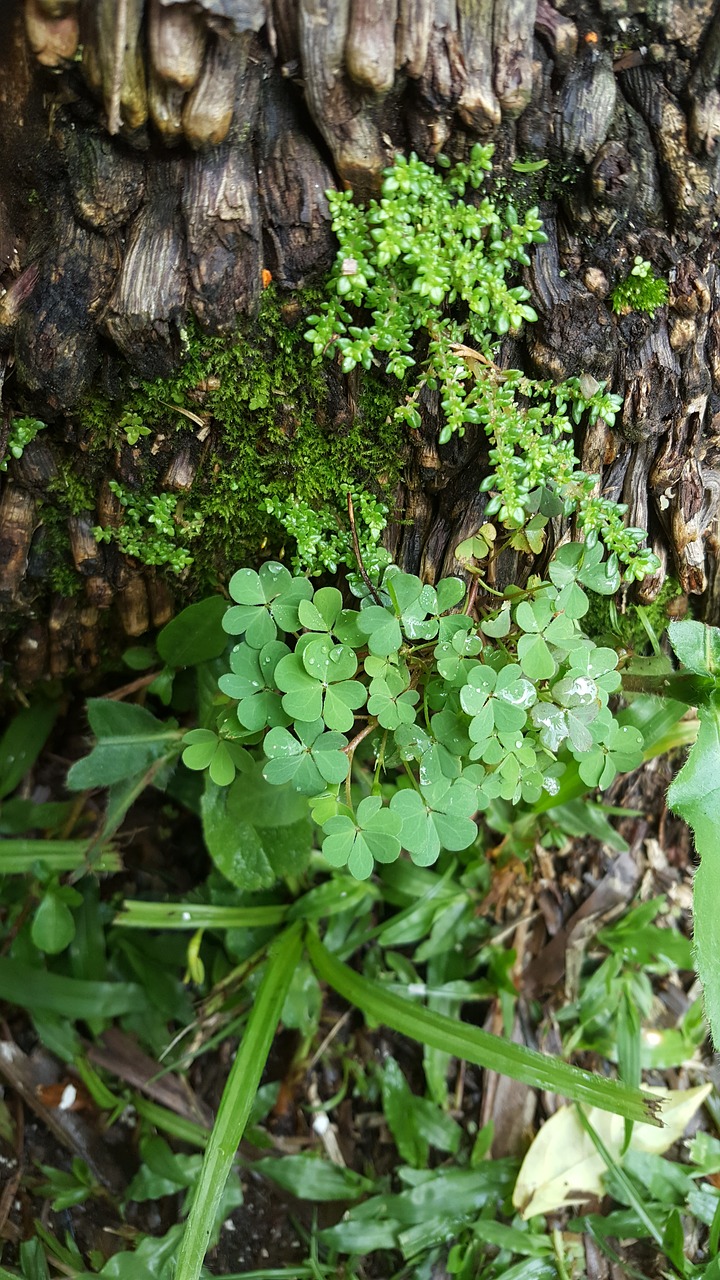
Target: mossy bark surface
164	232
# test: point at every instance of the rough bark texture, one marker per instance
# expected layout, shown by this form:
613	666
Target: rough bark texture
165	175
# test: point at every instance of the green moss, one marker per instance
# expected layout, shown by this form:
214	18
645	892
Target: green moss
632	625
641	291
280	425
73	494
62	575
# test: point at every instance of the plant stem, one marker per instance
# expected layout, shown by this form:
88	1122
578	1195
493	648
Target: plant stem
358	556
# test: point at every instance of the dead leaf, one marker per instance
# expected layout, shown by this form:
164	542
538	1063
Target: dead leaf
562	1166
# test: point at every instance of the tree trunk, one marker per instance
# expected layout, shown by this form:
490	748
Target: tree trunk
163	160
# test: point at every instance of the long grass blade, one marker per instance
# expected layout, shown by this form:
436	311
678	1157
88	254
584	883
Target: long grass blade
475	1045
18	856
197	915
237	1100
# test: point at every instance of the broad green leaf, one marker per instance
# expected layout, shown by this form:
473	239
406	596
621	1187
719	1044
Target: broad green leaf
697	646
53	926
163	1172
248	855
695	795
128	737
195	635
397	1100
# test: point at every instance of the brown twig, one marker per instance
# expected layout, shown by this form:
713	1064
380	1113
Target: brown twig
141	682
350	750
356	549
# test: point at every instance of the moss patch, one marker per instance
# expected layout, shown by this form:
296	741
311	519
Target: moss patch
273	423
631	626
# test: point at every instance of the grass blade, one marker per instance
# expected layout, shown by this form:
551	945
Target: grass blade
197	915
236	1102
611	1164
474	1045
18	856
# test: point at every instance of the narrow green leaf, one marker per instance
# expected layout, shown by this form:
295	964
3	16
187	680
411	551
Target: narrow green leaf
695	795
633	1199
22	742
67	997
474	1045
170	1122
236	1102
17	856
194	915
312	1178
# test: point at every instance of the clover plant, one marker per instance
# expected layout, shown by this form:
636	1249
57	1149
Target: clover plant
453	714
423	284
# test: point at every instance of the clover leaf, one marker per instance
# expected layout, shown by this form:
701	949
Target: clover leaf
499	626
205	750
381	628
372	836
439	817
451	732
266	600
412	599
310	761
515	766
450	592
496	700
455	656
621	751
391	700
316	683
543	627
252	684
582	562
598	664
551	723
321	613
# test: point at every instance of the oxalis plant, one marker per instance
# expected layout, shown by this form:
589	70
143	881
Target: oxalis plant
356	741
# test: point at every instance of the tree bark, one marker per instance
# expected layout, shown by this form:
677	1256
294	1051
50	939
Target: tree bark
161	159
